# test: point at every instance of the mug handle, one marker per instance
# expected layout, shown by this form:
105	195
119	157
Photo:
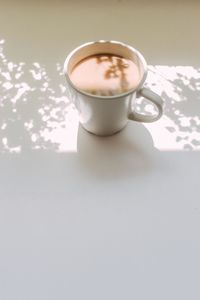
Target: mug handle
155	99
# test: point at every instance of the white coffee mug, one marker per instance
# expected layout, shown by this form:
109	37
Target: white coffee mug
106	115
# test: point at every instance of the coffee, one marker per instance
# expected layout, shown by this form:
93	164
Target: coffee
105	75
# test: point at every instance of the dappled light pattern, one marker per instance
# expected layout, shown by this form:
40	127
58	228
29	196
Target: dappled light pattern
35	113
34	110
179	128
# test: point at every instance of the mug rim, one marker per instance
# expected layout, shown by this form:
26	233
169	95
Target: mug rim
131	91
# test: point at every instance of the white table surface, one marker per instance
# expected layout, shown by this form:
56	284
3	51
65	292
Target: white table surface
83	217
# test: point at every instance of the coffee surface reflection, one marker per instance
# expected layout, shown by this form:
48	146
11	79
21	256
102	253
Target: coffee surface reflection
105	75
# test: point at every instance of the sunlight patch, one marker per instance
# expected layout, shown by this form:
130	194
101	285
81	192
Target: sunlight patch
36	114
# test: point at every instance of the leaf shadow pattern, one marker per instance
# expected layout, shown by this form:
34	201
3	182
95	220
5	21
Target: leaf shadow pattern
33	106
115	69
36	114
179	86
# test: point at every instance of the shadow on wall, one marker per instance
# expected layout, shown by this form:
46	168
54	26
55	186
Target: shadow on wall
36	114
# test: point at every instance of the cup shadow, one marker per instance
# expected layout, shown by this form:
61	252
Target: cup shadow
127	153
